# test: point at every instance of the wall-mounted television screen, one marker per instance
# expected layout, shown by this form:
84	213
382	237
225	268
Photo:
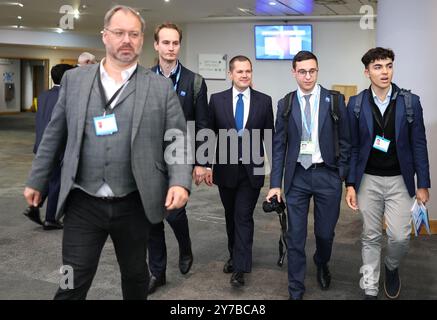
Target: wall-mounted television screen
282	42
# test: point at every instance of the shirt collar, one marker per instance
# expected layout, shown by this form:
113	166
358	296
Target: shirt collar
376	98
313	93
235	92
172	72
125	74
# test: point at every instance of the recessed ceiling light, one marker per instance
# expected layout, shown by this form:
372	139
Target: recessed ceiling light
167	0
272	3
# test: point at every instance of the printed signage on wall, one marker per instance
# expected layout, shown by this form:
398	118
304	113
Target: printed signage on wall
213	66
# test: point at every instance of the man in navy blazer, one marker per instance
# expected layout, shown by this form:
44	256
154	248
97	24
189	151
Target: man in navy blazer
305	146
388	150
46	102
168	37
238	174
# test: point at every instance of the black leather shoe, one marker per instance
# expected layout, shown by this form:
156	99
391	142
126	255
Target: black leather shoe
156	282
392	283
52	225
237	279
228	267
323	276
185	261
33	214
370	297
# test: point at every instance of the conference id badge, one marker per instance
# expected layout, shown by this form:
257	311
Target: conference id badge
307	147
105	125
381	144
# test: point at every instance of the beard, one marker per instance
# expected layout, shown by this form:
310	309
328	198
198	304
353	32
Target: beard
124	56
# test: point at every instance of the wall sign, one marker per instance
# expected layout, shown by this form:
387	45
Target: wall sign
213	66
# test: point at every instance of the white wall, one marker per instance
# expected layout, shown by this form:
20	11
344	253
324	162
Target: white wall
415	66
339	47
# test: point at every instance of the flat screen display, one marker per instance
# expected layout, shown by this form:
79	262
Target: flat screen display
282	42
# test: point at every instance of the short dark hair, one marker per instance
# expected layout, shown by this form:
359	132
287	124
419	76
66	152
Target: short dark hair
377	53
302	56
58	71
167	25
238	58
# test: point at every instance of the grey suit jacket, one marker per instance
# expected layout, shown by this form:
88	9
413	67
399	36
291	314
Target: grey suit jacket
157	109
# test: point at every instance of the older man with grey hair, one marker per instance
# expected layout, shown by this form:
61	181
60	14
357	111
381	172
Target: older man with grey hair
86	58
115	159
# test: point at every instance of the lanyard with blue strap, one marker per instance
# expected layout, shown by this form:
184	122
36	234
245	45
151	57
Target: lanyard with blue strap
178	75
313	112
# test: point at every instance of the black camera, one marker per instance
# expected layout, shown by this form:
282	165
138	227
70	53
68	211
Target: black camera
274	205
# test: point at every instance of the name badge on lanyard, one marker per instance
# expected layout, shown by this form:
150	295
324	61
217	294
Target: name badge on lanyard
105	125
381	144
307	147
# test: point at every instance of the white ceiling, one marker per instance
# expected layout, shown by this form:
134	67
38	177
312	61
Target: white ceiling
44	14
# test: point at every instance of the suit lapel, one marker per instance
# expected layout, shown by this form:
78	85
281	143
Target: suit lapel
252	109
142	84
84	92
229	108
324	107
398	119
367	111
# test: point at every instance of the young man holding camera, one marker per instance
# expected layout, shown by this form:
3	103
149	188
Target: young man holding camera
305	145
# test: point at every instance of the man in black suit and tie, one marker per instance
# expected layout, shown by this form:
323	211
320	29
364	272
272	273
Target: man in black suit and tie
192	93
238	176
46	102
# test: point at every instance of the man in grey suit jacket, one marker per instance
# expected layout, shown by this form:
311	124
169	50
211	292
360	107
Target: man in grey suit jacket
113	117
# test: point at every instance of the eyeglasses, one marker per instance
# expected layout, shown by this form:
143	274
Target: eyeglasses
120	34
303	72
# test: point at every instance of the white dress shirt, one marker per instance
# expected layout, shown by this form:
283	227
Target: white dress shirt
382	105
315	107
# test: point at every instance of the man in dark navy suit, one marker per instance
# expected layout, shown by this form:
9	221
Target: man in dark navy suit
192	93
315	164
238	175
46	102
388	150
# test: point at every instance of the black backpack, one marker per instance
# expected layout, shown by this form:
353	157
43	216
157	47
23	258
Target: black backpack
402	92
335	115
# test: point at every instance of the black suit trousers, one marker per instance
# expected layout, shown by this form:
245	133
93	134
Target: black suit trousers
87	223
239	203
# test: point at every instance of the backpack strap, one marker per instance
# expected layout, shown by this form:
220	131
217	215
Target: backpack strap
335	114
197	84
408	97
357	105
288	102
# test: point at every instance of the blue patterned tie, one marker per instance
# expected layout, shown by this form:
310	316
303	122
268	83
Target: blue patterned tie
306	160
239	113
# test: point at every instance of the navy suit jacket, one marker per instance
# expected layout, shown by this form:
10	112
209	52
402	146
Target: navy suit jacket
46	102
410	142
222	117
195	108
286	156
